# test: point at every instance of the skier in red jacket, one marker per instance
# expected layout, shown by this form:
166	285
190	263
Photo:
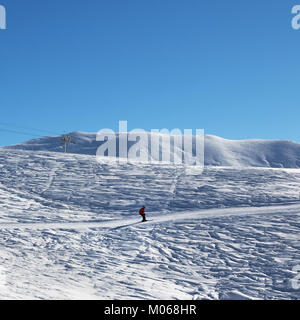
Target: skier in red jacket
142	213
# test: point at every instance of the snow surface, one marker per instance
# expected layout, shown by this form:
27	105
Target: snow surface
218	151
69	229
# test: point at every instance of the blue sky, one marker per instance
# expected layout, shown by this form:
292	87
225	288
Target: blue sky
231	67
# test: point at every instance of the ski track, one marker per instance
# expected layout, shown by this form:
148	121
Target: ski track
70	230
182	216
215	256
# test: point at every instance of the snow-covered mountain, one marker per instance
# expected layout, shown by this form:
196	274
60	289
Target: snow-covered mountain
218	151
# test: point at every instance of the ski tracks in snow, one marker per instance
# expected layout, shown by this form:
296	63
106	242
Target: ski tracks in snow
50	180
180	171
208	254
162	219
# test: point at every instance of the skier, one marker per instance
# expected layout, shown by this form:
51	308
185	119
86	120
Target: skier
142	213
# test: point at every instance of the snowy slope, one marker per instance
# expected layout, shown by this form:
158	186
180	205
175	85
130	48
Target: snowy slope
70	229
218	151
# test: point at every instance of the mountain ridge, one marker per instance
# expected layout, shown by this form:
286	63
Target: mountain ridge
217	150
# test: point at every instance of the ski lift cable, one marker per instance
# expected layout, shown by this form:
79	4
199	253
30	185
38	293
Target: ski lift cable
21	133
26	128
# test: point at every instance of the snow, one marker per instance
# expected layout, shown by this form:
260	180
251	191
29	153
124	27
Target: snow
218	151
69	227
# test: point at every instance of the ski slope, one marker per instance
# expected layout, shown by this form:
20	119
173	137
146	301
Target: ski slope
69	229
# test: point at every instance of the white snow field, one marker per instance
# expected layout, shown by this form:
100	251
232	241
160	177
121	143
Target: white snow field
70	229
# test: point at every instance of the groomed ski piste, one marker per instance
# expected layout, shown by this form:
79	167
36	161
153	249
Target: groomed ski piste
70	229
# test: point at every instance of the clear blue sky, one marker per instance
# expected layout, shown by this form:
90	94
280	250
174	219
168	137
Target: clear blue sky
231	67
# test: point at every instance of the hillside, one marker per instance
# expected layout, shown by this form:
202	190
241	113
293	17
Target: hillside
70	230
218	151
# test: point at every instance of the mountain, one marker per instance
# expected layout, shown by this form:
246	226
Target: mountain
218	151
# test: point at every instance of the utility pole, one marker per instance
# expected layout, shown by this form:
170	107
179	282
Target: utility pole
67	140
